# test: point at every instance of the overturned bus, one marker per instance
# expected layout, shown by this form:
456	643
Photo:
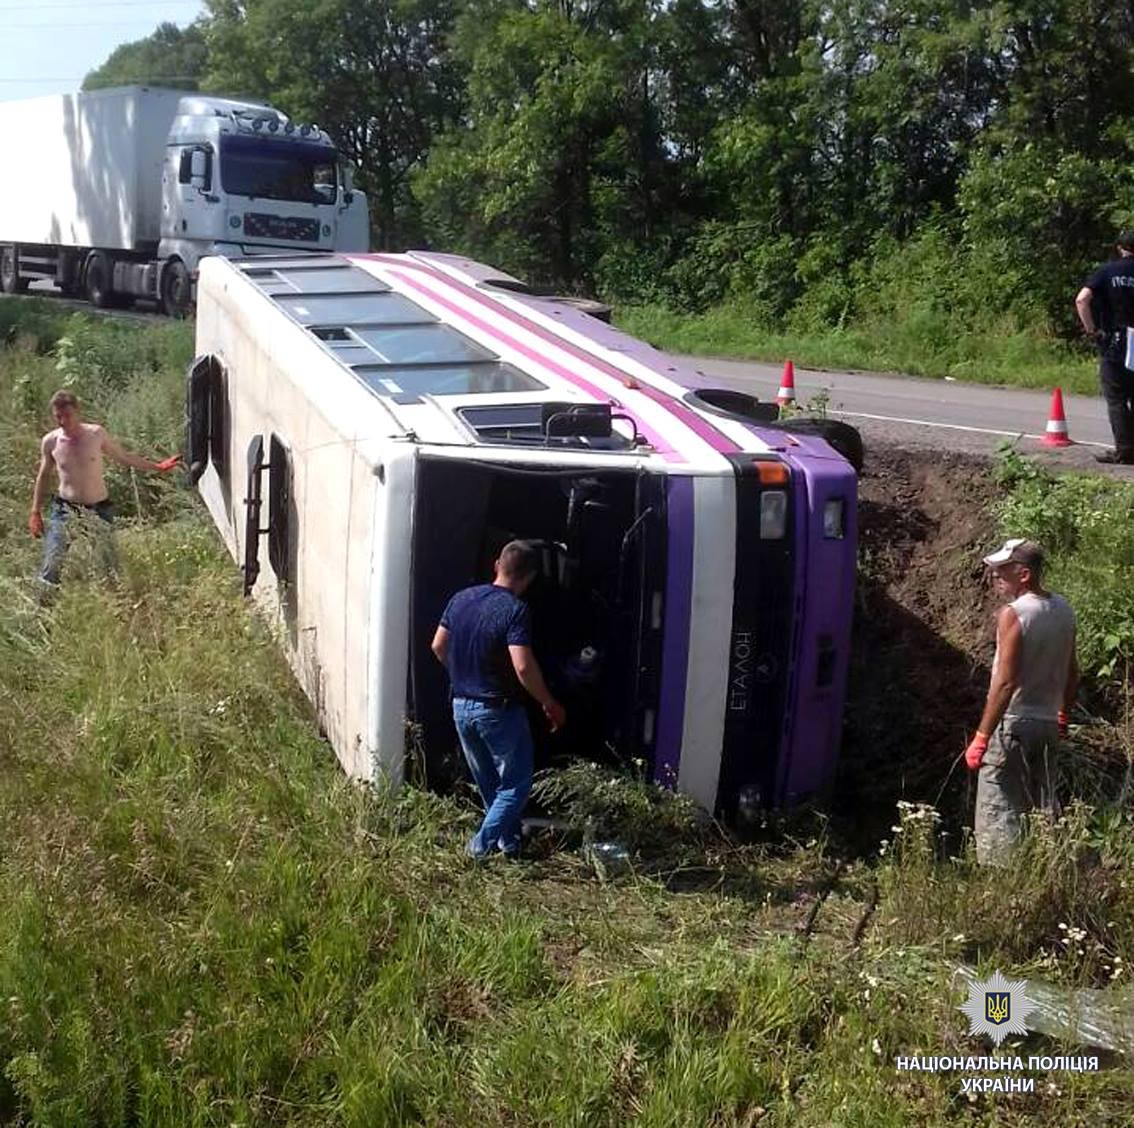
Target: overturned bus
368	431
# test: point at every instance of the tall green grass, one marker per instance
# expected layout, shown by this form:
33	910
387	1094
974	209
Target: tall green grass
203	923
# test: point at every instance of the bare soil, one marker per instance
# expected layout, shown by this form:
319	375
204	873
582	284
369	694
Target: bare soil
923	635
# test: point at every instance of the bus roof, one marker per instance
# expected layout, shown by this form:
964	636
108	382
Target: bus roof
429	333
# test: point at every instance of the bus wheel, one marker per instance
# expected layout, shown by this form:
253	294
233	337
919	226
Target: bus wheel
10	280
176	289
96	279
844	438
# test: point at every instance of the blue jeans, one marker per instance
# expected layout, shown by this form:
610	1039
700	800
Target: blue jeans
497	743
65	521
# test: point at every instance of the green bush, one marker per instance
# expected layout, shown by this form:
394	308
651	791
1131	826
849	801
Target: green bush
628	808
1086	525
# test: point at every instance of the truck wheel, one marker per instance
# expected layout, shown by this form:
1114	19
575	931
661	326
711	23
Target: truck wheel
10	280
96	280
176	289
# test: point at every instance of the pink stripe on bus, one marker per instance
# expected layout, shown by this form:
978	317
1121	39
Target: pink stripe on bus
694	422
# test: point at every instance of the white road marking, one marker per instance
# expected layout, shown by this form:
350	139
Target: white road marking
954	427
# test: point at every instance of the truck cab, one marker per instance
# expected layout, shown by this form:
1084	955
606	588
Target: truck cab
138	184
241	179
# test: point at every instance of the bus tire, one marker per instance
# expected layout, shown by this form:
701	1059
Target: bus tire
841	437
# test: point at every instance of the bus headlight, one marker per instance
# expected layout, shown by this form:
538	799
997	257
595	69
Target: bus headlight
834	519
773	514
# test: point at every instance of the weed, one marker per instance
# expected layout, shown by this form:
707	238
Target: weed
606	804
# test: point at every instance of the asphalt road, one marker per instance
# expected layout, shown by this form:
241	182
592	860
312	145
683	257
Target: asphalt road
940	414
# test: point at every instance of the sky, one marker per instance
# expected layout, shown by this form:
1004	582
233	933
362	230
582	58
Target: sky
48	47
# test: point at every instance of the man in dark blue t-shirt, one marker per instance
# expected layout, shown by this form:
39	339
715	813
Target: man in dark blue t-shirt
484	640
1106	309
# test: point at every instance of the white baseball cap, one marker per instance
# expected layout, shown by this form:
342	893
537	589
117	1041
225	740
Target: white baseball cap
1017	551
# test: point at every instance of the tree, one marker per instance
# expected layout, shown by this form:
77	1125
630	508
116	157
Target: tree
373	73
172	56
559	150
1066	72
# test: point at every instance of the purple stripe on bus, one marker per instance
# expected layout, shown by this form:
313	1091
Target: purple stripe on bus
811	740
675	646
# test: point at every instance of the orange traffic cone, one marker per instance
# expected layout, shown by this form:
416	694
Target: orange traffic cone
786	394
1056	433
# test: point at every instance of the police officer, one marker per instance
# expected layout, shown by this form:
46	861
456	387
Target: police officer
1105	306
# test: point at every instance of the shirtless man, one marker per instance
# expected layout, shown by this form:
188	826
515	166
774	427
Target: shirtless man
74	450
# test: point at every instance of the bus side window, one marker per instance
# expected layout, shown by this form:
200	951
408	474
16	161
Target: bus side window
252	502
197	397
206	411
279	508
219	421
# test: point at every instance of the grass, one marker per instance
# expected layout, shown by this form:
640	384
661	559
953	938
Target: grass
203	923
916	346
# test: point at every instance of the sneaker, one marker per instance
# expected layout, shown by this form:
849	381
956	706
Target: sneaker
1115	458
473	850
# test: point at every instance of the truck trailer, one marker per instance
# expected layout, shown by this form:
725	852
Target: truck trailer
367	432
129	188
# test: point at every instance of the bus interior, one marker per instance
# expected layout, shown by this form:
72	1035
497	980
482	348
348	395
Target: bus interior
596	602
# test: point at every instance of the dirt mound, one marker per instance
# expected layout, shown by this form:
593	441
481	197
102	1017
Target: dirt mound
923	635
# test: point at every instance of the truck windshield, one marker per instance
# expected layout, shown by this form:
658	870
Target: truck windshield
277	169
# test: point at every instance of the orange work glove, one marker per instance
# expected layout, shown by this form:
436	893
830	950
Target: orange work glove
169	463
35	523
974	754
1062	720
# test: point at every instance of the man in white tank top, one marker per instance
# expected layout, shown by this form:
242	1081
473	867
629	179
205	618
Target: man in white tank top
1034	678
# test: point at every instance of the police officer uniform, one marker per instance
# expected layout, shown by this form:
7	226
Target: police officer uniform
1112	308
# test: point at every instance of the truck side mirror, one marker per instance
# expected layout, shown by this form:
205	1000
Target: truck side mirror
346	174
198	169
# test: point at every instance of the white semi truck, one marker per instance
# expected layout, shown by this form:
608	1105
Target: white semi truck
118	194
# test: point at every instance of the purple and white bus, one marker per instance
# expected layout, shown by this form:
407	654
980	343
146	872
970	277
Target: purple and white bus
384	424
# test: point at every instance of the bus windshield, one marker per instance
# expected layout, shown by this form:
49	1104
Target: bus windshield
277	169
